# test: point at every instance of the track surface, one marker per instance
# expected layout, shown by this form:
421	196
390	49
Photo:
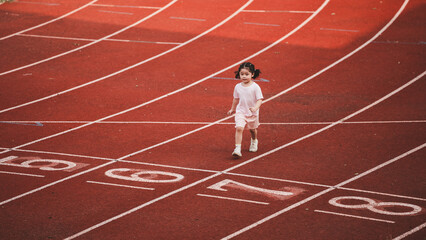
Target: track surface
113	119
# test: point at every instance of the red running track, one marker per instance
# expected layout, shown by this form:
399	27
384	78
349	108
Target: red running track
341	145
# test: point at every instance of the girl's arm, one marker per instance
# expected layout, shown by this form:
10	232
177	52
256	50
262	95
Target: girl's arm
234	106
257	106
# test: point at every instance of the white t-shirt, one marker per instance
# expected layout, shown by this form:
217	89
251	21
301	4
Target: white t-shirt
248	97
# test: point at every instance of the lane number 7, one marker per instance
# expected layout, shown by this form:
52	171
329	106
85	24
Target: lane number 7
220	186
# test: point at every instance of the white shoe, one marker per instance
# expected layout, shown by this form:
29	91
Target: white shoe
237	152
253	145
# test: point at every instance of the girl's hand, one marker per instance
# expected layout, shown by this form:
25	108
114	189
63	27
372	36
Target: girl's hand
230	112
253	109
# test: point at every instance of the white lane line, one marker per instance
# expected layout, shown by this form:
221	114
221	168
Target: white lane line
21	174
416	229
277	11
138	64
89	44
114	12
92	40
124	6
232	199
120	185
39	123
189	19
48	22
322	193
338	30
262	24
354	216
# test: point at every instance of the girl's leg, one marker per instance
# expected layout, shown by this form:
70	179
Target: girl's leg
238	140
239	135
253	143
253	133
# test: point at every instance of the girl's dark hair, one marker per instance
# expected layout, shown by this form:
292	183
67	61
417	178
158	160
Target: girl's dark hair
251	69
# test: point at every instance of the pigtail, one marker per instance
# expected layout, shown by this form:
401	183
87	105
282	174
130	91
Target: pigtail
256	73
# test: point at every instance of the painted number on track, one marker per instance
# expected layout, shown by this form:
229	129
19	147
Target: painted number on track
139	175
42	164
275	194
375	206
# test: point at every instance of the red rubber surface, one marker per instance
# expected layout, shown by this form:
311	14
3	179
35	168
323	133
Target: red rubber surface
341	118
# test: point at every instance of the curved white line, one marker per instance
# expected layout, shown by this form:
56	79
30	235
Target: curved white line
51	21
92	43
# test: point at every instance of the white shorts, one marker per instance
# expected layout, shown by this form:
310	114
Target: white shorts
241	121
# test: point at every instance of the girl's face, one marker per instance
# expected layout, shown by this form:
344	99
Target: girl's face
245	75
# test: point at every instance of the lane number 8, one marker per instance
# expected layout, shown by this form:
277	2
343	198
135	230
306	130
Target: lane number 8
375	206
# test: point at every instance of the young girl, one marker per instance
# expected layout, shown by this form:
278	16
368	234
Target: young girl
248	96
